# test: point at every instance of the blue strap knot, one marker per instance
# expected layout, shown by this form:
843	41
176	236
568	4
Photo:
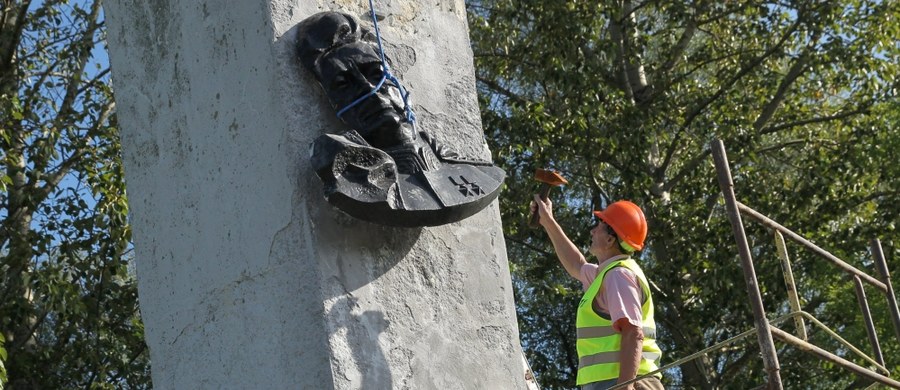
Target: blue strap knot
387	75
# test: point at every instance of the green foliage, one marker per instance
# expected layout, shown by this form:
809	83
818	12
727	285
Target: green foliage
2	365
624	98
68	302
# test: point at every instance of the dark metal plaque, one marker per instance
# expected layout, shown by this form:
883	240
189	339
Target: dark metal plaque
384	169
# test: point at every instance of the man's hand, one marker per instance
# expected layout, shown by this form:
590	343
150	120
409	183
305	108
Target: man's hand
544	208
569	255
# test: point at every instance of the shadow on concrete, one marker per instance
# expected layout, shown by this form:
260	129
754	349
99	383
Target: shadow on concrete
356	252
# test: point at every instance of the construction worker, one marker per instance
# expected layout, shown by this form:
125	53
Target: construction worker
616	331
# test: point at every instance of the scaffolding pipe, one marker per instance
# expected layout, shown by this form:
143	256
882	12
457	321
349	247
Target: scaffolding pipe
867	317
815	248
845	343
881	266
793	298
766	344
821	353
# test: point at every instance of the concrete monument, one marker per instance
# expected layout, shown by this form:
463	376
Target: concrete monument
247	277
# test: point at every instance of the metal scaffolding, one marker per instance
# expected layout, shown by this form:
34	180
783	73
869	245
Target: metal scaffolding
765	329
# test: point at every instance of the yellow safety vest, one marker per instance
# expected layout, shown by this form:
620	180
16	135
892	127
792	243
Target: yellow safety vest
599	345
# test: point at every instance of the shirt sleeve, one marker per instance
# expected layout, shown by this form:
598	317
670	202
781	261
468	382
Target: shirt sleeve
588	274
623	296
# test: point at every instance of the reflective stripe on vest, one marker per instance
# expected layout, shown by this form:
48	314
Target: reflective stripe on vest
603	331
612	357
599	344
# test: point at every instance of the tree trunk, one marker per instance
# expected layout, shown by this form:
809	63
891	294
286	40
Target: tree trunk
632	78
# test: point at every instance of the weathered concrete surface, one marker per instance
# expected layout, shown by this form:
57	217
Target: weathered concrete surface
247	277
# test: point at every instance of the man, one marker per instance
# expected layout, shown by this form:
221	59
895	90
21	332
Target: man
616	330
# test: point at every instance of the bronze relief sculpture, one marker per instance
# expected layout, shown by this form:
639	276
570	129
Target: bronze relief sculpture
383	169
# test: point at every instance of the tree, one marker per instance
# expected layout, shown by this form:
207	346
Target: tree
623	97
68	303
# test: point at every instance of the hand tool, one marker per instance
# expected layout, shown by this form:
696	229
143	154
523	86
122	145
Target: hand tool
548	179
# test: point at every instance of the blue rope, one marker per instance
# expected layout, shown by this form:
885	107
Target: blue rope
410	115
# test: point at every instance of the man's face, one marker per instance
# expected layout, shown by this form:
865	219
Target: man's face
352	71
600	237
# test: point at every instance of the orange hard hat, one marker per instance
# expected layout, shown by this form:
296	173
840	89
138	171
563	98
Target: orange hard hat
627	220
